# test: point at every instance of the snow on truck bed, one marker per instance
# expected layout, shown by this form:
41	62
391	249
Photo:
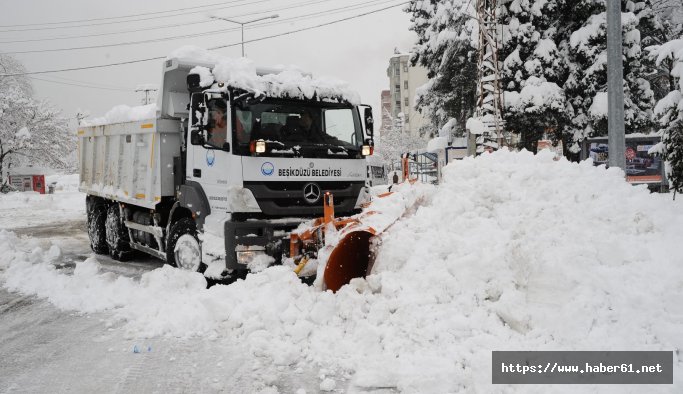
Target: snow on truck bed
123	113
512	252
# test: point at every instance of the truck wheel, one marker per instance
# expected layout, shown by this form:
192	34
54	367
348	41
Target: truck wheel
116	234
183	249
96	228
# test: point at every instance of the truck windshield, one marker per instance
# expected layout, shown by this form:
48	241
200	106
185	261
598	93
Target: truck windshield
291	127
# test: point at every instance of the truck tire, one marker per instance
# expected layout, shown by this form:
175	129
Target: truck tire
96	228
183	249
116	234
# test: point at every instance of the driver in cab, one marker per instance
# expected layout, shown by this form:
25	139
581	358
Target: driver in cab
218	123
305	128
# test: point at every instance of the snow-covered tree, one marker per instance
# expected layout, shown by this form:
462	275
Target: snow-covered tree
31	131
446	47
553	55
586	86
534	68
394	141
669	112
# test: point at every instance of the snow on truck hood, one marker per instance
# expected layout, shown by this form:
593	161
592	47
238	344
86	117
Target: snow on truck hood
514	251
281	81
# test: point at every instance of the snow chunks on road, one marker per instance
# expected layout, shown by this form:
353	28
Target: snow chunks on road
513	251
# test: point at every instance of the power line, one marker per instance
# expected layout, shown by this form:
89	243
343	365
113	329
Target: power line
81	85
84	82
213	48
251	2
165	26
208	33
123	16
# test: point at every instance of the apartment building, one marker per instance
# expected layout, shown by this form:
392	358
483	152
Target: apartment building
404	79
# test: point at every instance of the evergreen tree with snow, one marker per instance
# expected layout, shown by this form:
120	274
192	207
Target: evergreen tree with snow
669	112
586	86
445	47
554	73
534	68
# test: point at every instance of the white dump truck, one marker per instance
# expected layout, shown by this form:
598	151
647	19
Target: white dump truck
230	160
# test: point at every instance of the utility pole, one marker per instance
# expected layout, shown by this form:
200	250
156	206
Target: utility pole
244	23
489	108
146	89
615	87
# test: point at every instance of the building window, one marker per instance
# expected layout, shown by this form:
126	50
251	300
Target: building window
397	89
406	101
407	120
397	70
405	84
405	67
398	104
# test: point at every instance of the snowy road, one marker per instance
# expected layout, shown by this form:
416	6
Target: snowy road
47	350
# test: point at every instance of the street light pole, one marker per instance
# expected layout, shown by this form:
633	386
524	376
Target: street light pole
244	23
615	87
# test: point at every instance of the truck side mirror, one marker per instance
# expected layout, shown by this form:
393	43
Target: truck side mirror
197	109
369	122
198	115
193	82
197	137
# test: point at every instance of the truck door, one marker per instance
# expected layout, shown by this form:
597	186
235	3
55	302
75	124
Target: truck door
209	155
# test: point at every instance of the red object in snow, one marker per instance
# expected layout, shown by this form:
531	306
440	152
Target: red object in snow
28	182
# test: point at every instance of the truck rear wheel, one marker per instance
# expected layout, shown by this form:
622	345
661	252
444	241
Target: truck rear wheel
183	249
116	234
97	218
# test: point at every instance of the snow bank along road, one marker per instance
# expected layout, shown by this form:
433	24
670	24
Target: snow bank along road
512	252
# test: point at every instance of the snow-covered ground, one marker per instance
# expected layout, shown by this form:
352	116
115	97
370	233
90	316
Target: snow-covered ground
22	210
512	252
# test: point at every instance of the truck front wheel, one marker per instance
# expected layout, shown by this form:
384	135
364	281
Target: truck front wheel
96	228
183	249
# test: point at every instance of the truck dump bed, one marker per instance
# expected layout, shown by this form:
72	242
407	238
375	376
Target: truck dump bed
131	162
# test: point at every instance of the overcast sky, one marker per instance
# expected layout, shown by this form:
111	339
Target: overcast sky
356	50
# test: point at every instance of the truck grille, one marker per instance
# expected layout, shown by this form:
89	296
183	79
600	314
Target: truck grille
287	198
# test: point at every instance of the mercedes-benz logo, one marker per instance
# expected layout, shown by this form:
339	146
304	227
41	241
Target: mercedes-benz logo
312	193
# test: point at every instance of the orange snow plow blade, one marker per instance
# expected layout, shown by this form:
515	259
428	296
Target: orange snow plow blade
344	245
351	258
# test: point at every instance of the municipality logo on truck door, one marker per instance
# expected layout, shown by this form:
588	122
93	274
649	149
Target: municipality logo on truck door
267	168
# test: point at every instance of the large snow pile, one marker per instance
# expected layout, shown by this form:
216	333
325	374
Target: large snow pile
287	81
512	252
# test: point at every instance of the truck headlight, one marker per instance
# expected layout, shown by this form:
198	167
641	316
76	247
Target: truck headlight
366	150
260	146
246	254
